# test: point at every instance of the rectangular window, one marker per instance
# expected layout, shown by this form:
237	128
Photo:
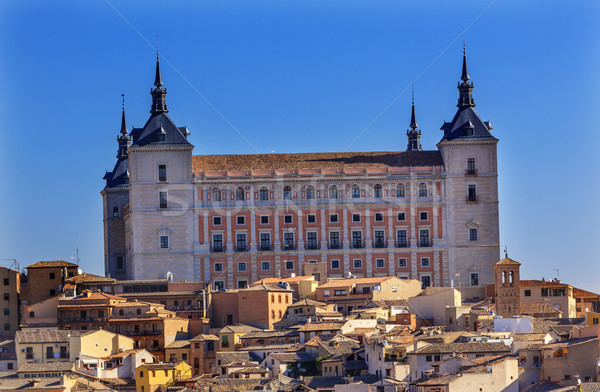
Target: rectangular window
265	241
357	239
264	219
401	216
162	172
49	352
402	263
240	242
379	239
333	218
424	261
474	279
287	219
334	240
472	234
326	293
366	289
162	199
337	292
378	217
120	262
6	311
379	263
217	245
357	263
288	241
311	240
425	281
311	218
242	284
401	240
6	283
472	193
240	220
428	358
423	215
265	266
335	264
527	293
218	267
289	265
52	275
6	296
217	220
164	241
424	238
219	285
355	217
471	166
242	267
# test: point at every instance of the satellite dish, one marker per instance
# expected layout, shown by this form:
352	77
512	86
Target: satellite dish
169	276
79	271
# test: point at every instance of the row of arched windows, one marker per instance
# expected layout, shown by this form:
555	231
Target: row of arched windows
310	192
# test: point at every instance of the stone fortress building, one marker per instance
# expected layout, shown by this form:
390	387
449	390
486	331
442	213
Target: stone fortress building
233	219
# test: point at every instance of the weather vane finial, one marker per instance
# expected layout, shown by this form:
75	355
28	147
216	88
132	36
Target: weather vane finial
505	251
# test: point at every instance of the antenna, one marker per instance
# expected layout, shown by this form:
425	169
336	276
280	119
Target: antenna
557	273
77	248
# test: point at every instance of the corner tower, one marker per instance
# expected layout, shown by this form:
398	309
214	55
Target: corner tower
115	196
160	222
471	188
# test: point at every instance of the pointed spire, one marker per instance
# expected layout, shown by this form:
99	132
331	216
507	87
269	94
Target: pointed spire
465	95
413	117
159	104
414	134
157	79
123	121
465	74
124	139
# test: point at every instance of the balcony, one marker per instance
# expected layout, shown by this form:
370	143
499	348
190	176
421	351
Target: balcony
334	246
312	246
242	248
265	246
425	244
218	248
402	244
288	247
357	245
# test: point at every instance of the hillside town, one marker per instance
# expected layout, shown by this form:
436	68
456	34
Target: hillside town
68	330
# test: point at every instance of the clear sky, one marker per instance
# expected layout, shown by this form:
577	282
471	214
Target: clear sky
301	76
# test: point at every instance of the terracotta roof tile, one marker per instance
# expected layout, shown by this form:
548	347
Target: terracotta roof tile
327	160
52	264
326	326
350	282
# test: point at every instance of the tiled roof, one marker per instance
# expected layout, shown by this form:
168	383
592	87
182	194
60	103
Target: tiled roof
238	384
232	356
240	328
293	357
327	160
528	336
85	278
307	302
331	381
45	367
349	282
440	380
203	337
540	283
584	387
579	293
562	344
542	325
284	346
179	344
160	366
324	326
44	336
18	384
473	347
507	261
266	287
270	334
542	386
533	308
52	264
288	279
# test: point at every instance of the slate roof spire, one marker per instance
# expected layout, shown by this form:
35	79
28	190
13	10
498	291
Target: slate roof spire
465	95
414	134
159	104
124	139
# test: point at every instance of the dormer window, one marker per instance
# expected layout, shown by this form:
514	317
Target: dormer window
162	134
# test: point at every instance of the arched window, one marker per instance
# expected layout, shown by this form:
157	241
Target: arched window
287	300
378	191
138	311
333	194
216	194
503	277
400	191
239	194
273	314
280	314
273	298
422	190
116	212
264	193
279	298
511	277
287	193
310	192
355	191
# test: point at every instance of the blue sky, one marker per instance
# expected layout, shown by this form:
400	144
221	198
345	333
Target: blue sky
299	76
